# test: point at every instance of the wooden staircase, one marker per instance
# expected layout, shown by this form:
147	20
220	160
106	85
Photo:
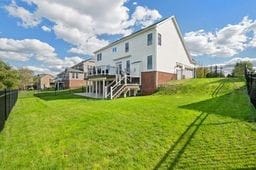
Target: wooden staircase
123	86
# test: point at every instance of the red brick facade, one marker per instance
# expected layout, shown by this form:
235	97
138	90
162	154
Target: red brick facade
164	77
150	81
72	84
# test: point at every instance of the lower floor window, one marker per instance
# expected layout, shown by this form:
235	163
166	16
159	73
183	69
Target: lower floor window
149	62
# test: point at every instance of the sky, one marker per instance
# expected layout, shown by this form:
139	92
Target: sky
47	36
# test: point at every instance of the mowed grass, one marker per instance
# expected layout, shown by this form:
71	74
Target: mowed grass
189	124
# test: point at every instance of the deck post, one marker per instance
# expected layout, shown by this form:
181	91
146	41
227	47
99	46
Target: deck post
93	87
111	92
90	87
103	89
134	92
96	89
86	88
125	79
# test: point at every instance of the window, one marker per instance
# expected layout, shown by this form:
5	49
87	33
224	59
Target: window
126	47
128	66
149	62
150	39
73	75
159	39
99	57
119	67
77	75
114	50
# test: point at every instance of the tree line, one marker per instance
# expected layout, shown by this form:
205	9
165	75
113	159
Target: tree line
15	78
22	78
217	71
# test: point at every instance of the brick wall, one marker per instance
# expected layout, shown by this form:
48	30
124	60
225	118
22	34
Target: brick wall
76	83
150	81
164	77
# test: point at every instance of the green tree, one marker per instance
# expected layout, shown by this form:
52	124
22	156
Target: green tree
8	77
238	70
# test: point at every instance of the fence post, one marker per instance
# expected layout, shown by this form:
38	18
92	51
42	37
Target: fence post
5	104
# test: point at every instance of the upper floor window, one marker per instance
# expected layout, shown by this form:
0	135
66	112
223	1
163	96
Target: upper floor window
150	39
114	49
159	39
99	57
126	47
149	62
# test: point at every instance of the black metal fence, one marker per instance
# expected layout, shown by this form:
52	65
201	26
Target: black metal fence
250	78
8	99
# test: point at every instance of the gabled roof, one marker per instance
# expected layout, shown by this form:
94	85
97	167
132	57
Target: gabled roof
192	61
42	75
87	60
73	70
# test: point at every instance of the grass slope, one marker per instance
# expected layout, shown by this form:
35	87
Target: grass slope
193	124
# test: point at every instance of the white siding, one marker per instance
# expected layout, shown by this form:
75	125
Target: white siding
138	51
172	50
165	57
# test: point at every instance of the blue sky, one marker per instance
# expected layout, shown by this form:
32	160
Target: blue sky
47	36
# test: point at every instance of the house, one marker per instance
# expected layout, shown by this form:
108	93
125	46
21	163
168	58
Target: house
141	61
45	81
74	77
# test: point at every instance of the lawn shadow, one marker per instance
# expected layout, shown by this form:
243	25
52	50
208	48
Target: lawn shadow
171	158
225	105
227	80
59	95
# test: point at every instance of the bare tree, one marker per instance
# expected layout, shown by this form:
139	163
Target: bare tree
26	78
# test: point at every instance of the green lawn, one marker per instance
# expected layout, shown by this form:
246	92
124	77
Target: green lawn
193	124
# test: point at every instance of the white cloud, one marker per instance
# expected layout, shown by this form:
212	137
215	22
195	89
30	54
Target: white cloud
145	16
28	19
75	21
46	29
33	49
39	70
228	41
135	3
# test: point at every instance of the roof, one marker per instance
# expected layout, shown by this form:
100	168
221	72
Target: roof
192	61
42	75
73	70
87	60
133	34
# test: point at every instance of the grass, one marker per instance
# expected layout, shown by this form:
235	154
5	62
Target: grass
189	124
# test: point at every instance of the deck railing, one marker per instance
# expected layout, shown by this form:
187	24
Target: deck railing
102	70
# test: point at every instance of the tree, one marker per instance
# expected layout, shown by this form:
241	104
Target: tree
26	78
238	70
214	74
8	77
201	72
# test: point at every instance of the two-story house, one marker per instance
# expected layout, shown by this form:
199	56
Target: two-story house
141	61
74	77
45	81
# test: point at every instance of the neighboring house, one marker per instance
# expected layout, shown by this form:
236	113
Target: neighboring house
45	81
74	77
141	61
